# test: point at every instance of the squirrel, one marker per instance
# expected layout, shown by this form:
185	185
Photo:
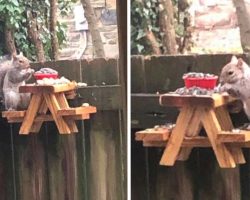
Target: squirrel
235	79
6	63
16	76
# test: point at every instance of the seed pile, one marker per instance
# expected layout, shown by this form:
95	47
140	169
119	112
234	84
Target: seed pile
46	71
51	81
196	91
198	75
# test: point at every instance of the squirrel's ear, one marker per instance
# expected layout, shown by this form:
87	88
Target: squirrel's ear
13	56
21	54
234	59
240	63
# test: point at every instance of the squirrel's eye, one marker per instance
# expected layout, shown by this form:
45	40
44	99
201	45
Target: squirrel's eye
20	61
230	72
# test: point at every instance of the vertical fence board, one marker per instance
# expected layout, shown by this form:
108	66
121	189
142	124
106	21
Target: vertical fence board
100	72
105	172
7	174
104	157
30	165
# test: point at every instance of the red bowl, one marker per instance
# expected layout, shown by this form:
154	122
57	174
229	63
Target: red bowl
208	83
42	76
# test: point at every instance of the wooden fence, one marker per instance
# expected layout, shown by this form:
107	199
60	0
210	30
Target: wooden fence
199	178
89	165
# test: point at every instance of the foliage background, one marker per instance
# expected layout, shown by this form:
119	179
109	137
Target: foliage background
14	14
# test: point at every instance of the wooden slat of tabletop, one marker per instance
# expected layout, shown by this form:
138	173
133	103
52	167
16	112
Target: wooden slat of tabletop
161	134
226	136
176	100
77	110
38	89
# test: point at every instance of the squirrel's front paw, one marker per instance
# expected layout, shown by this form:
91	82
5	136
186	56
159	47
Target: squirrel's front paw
226	87
31	71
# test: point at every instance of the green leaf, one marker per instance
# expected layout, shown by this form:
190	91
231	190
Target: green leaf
15	2
140	48
141	34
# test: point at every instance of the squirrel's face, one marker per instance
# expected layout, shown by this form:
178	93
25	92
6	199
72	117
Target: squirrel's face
21	61
233	71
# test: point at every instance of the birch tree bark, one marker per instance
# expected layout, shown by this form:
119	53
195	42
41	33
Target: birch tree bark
93	27
244	24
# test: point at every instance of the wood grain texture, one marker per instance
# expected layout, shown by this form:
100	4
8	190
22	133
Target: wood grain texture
77	110
38	89
227	125
213	128
160	134
216	100
42	111
173	147
64	105
53	105
30	115
10	114
193	131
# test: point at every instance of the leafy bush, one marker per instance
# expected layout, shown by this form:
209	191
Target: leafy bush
14	14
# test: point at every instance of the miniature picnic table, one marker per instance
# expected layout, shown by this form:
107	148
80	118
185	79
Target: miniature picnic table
205	111
54	99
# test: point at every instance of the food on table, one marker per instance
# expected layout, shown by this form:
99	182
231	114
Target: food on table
198	79
196	91
198	75
46	71
52	81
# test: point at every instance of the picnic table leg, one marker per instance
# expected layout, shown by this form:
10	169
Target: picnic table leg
54	106
212	127
227	125
174	144
64	104
30	114
193	130
42	110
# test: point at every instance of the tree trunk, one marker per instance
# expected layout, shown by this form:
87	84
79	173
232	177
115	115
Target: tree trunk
153	42
93	27
33	33
244	24
150	36
9	40
53	20
167	26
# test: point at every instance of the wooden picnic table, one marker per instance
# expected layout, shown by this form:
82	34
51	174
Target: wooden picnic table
209	112
49	103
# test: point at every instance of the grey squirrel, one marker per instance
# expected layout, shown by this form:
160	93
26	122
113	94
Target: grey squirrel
6	62
235	79
14	77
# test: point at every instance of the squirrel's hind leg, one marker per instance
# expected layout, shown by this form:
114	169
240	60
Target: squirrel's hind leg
11	100
24	101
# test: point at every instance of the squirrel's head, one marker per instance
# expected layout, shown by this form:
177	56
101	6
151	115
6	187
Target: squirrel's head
233	71
21	61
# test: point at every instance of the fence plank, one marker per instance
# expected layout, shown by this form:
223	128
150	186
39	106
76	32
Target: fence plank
103	97
62	165
105	160
30	163
100	72
7	173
